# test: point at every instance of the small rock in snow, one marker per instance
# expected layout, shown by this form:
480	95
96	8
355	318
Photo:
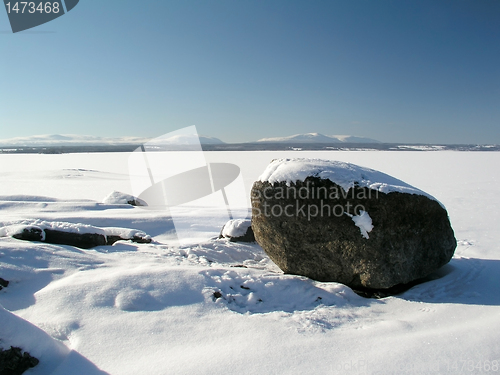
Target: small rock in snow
14	361
3	283
117	197
238	230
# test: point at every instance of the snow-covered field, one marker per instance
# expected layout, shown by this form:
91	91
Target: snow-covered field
150	308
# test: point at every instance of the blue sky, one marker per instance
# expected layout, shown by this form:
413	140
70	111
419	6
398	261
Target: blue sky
240	70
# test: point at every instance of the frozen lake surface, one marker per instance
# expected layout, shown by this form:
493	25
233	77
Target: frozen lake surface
150	308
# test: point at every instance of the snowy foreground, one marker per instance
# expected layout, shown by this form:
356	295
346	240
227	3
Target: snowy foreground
150	308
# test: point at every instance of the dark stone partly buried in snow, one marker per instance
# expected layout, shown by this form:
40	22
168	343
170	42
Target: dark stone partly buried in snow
14	362
81	240
111	239
411	235
3	283
238	230
30	234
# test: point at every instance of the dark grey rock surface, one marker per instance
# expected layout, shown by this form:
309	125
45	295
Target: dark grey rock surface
314	235
80	240
14	362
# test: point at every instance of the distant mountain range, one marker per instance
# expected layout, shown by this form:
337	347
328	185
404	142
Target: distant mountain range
51	144
55	140
67	140
318	138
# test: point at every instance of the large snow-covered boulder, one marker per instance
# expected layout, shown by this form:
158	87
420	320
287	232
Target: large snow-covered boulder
335	221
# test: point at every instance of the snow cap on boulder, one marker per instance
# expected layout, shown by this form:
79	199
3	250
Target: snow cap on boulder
344	174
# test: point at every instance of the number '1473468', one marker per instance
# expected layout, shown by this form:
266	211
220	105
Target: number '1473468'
32	7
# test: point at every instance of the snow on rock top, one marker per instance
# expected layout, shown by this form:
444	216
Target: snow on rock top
126	233
117	197
236	228
346	175
364	222
8	229
18	227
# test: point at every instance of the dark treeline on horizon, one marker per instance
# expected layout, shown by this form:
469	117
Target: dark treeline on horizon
256	147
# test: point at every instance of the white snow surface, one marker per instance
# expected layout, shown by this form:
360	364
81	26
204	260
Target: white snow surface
152	309
346	175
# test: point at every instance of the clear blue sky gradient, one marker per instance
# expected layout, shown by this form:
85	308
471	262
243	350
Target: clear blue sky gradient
397	71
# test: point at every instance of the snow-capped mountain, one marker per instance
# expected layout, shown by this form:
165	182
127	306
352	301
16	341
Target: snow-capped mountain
55	140
354	139
318	138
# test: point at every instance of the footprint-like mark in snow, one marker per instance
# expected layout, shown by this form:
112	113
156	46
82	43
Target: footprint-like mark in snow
463	246
221	253
427	310
60	330
309	304
136	300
